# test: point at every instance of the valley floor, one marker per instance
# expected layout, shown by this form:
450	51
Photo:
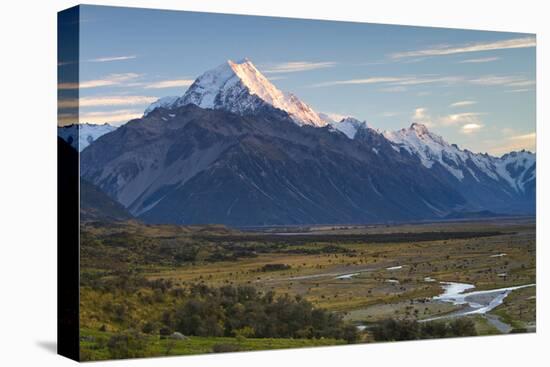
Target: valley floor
366	274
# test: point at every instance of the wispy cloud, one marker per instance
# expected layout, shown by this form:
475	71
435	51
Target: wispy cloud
430	80
522	42
106	101
521	90
503	80
372	80
64	63
99	59
507	131
464	118
515	143
174	83
296	66
69	118
471	128
109	80
462	103
480	60
392	82
111	117
469	122
112	58
422	116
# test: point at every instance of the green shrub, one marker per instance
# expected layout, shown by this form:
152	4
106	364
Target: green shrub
243	311
148	328
274	267
393	330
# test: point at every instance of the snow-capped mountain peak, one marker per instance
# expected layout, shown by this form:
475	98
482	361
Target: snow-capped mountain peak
514	168
82	135
240	87
419	128
517	168
431	148
164	102
349	126
420	132
418	138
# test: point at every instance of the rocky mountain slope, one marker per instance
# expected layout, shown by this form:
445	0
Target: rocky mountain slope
235	150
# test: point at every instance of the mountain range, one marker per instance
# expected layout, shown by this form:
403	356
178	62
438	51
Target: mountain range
236	150
79	136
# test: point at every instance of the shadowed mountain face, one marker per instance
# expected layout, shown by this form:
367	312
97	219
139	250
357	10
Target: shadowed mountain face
191	165
94	204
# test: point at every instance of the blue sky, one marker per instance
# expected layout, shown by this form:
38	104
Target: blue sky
476	88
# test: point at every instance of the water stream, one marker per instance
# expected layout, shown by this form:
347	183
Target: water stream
476	302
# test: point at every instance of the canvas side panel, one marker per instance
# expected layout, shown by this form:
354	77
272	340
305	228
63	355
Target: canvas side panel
68	185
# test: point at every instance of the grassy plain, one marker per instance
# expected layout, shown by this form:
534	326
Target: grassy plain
364	273
94	345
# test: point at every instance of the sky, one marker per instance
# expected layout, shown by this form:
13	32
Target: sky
475	88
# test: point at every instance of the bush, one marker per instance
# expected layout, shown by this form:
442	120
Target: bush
148	328
434	330
274	267
350	334
462	327
394	330
245	312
